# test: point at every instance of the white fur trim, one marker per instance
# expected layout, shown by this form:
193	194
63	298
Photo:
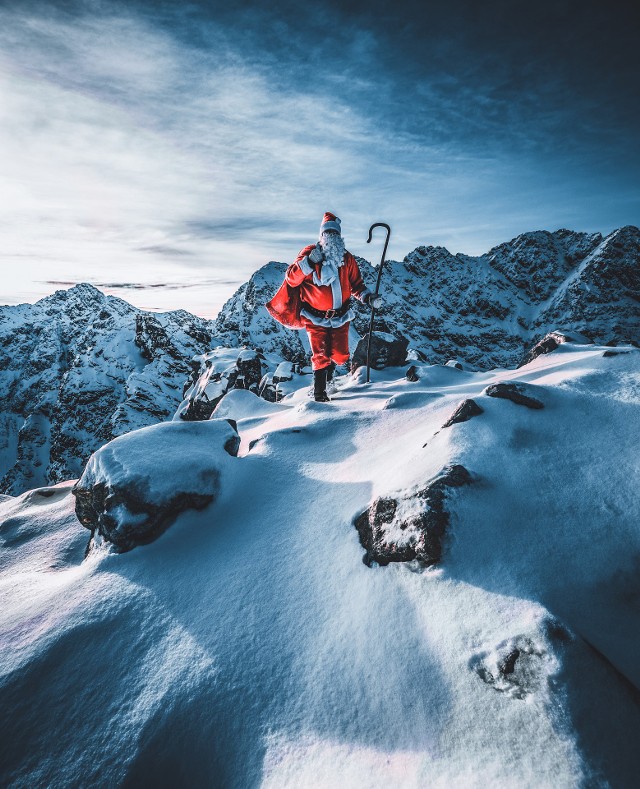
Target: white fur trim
332	224
336	292
304	265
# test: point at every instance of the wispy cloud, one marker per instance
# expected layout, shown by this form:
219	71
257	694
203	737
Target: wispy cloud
145	285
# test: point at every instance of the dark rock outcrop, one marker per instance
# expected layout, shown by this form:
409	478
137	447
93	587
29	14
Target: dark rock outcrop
128	494
387	350
271	384
465	411
547	344
516	392
411	526
412	374
216	373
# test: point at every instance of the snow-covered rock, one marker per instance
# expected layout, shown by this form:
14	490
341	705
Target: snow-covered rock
215	373
134	487
79	368
411	525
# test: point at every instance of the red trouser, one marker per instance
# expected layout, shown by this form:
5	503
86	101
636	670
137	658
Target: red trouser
327	344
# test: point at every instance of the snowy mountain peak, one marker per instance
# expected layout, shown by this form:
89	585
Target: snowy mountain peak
486	310
82	293
80	367
537	262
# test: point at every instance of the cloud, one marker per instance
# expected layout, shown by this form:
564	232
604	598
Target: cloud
164	142
147	285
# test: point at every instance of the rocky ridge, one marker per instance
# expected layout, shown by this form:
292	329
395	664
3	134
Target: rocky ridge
487	310
79	368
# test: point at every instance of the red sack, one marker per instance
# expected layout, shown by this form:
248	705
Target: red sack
285	306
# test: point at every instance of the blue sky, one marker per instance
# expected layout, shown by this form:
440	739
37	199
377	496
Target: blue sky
164	151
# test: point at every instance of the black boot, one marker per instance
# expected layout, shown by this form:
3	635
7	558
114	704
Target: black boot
320	386
330	371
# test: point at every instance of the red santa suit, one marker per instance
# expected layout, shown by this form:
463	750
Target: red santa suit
323	310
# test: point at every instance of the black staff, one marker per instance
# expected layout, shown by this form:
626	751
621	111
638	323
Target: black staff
373	309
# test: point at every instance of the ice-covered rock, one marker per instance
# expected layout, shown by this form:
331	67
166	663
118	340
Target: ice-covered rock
134	487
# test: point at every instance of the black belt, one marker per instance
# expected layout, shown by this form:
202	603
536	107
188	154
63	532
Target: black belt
328	313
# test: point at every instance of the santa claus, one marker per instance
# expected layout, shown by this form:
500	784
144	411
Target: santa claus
316	296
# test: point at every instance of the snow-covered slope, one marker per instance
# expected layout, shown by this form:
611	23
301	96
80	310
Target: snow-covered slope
78	368
250	645
487	310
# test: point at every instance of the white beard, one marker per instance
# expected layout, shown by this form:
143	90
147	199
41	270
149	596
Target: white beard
332	245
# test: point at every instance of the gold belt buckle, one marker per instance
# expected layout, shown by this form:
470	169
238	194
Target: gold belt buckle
330	313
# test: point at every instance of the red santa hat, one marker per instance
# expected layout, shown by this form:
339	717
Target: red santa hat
330	222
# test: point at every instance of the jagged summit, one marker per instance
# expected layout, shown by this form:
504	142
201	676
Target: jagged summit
79	367
486	310
536	263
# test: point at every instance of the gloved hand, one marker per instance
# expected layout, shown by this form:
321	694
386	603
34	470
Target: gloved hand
371	300
316	255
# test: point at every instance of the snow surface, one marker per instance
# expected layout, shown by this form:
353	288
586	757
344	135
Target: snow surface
249	645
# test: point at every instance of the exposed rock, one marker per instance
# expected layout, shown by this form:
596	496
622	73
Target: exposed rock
547	344
516	392
454	363
522	665
284	372
411	526
387	350
465	411
128	494
608	354
271	388
213	375
412	374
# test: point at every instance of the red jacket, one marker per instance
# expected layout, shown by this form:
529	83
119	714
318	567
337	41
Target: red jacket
298	288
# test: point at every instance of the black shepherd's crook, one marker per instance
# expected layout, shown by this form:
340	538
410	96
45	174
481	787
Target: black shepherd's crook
373	309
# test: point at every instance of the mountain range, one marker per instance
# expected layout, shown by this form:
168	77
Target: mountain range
79	367
487	310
